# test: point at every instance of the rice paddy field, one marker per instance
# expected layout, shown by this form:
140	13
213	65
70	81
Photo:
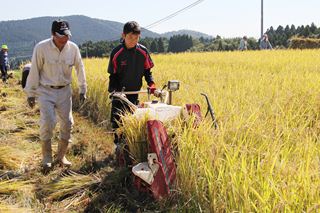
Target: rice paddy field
263	157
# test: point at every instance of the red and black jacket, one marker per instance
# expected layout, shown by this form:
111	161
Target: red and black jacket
128	66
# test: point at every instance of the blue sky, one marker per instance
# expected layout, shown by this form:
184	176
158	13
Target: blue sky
228	18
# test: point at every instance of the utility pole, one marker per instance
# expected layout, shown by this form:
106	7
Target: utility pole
86	49
261	18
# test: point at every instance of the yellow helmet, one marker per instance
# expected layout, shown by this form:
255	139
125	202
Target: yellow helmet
4	46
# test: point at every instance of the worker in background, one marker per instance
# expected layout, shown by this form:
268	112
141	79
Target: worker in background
50	80
129	62
25	73
4	62
243	43
265	43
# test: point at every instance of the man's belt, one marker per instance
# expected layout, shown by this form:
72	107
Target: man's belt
57	87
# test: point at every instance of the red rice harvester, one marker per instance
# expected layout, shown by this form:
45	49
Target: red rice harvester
157	175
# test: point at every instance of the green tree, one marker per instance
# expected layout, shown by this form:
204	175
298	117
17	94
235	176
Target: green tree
313	28
154	46
306	31
292	30
161	46
146	42
180	43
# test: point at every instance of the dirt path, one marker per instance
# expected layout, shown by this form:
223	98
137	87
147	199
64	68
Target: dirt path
22	185
92	184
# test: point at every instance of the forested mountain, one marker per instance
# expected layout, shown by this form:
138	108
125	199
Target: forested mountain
22	35
194	34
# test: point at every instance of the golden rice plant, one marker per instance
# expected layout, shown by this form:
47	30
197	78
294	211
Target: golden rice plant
68	185
98	104
13	185
13	208
135	133
11	158
265	155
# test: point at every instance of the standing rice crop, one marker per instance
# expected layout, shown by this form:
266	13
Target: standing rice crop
265	155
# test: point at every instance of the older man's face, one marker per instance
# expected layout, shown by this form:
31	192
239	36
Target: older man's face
59	40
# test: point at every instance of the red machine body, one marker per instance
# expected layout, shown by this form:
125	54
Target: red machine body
164	178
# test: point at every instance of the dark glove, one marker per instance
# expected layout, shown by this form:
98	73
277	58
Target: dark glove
152	88
82	97
31	101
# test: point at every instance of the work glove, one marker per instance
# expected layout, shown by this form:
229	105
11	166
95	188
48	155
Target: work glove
152	88
82	97
111	94
31	101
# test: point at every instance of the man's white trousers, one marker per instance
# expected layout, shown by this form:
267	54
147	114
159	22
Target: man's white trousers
55	104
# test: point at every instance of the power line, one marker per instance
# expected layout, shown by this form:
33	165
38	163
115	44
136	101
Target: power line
173	14
169	16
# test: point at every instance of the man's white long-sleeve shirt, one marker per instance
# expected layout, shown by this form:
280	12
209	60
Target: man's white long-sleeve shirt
50	67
